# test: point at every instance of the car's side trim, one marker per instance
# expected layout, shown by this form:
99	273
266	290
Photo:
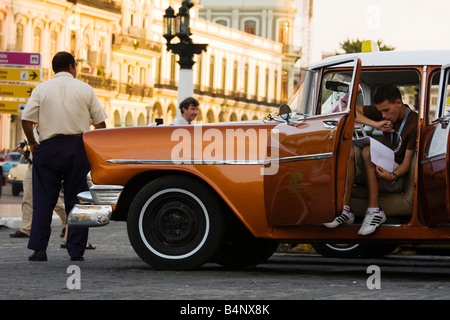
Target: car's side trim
318	156
222	162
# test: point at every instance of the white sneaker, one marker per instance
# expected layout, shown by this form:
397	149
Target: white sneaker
346	217
372	221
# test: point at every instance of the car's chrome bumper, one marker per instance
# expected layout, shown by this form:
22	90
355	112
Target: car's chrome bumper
95	208
89	215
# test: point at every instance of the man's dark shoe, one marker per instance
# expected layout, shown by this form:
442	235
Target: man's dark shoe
38	256
19	234
76	258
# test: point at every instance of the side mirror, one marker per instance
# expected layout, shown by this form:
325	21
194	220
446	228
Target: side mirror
284	111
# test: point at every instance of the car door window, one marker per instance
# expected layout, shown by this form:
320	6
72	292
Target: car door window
433	96
334	92
445	110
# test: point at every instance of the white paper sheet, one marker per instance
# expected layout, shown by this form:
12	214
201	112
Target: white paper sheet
380	154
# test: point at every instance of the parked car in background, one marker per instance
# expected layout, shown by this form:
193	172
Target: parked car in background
230	192
17	174
11	160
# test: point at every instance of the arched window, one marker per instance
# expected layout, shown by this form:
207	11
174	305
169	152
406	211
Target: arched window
172	68
222	116
211	72
284	85
53	42
87	47
2	27
283	32
132	13
73	42
199	66
235	75
141	120
246	71
142	76
210	116
275	86
101	52
117	122
156	111
199	117
37	35
19	37
224	73
250	26
256	82
222	22
130	74
171	114
129	120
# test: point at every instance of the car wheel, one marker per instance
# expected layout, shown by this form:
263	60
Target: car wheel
241	249
353	250
175	223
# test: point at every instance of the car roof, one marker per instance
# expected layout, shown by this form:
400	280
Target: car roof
393	58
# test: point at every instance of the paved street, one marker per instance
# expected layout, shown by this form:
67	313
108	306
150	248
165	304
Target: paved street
114	271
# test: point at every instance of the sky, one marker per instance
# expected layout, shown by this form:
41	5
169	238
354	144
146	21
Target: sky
403	24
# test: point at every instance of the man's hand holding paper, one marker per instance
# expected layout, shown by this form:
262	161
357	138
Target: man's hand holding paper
381	155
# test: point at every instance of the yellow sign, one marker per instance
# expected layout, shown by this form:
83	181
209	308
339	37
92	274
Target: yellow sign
16	74
12	107
15	90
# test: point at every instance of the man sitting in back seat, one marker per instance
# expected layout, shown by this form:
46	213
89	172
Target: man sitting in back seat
399	126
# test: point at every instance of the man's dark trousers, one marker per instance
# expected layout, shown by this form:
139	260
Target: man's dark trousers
59	159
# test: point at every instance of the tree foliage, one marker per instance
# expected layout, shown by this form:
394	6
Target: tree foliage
354	46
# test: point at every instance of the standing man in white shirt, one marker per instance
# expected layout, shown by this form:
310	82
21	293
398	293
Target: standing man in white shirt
189	110
64	108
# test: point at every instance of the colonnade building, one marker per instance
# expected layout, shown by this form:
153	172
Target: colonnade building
246	72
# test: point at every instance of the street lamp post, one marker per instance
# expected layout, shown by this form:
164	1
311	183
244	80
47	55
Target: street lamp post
178	26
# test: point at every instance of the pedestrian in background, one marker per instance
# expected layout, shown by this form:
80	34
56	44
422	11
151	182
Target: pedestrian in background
63	107
189	111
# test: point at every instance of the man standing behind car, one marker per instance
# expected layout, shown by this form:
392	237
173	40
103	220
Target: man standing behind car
189	110
63	107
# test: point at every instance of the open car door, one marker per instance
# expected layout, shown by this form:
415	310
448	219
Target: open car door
309	148
434	164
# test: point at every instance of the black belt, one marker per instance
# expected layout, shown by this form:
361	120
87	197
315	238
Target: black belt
67	135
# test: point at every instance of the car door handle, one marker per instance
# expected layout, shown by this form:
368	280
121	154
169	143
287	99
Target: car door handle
330	124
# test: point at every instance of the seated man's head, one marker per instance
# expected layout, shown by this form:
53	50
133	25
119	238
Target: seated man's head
388	100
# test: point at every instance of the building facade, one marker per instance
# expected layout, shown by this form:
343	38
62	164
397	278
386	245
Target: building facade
270	19
122	54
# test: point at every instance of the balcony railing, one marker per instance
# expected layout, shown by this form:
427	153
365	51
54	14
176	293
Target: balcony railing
136	43
97	82
137	90
224	94
107	5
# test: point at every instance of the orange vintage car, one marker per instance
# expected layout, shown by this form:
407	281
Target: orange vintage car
230	192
